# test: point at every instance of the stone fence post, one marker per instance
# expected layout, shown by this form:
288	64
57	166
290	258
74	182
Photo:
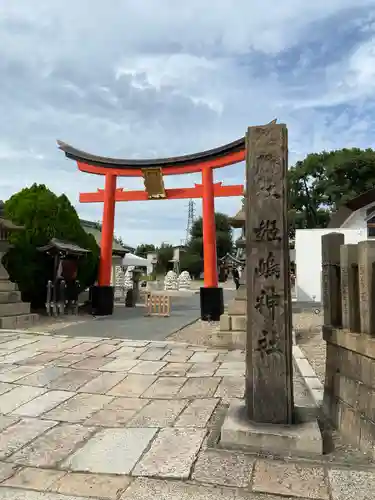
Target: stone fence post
331	243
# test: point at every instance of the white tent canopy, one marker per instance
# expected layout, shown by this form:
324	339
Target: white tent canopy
133	260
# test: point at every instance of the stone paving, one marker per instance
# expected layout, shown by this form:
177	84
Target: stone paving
115	419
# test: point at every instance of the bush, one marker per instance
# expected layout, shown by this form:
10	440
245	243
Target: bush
44	216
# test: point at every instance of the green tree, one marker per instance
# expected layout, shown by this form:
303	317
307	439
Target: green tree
322	182
144	248
224	236
165	255
192	263
44	216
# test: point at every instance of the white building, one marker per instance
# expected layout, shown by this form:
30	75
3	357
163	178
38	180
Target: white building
355	219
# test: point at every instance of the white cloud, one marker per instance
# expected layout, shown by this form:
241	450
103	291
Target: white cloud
135	78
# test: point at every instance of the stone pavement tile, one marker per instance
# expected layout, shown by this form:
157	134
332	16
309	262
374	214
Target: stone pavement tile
6	421
128	352
43	403
199	387
15	344
231	388
198	348
102	383
42	359
164	388
197	413
68	360
203	357
18	372
53	446
231	369
22	494
5	368
119	365
127	404
18	396
43	377
147	367
110	418
134	343
153	354
290	479
73	380
17	356
5	387
104	349
103	486
80	348
158	413
347	484
174	369
91	363
78	408
111	451
152	489
132	385
231	356
178	355
224	468
34	479
203	369
172	453
6	470
21	433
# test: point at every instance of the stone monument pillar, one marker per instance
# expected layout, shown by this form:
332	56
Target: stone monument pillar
269	366
267	419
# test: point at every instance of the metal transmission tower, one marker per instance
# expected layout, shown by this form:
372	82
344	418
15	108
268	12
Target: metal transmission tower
191	219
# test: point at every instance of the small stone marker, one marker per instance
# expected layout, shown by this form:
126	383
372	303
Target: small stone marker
349	287
269	370
366	282
331	292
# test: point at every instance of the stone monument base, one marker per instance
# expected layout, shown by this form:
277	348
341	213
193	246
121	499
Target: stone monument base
302	439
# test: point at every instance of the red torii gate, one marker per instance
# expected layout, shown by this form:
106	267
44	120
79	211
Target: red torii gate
152	171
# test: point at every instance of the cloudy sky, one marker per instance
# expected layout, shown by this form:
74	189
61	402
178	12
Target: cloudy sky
153	78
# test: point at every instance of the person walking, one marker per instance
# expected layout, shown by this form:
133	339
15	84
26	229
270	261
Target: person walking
236	277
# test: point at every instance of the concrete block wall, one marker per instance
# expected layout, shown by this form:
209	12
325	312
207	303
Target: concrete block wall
349	389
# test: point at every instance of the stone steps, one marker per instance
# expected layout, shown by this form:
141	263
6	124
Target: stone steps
7	286
18	321
10	296
14	309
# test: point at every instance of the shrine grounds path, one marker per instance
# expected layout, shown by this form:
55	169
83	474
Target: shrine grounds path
131	323
85	417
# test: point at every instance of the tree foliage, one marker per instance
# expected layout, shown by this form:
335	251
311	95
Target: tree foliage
165	255
144	248
224	236
44	216
322	182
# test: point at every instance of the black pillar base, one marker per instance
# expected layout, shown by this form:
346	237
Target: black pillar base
212	303
102	300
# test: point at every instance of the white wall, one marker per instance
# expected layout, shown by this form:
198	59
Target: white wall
308	247
357	219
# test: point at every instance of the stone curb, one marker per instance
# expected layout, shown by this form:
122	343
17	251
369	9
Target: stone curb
306	371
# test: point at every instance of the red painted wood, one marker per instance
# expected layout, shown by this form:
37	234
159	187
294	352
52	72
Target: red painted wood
220	191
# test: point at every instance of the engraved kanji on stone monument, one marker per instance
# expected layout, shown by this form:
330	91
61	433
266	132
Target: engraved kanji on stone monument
269	373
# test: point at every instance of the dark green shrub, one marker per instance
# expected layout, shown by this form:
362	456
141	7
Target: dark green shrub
44	216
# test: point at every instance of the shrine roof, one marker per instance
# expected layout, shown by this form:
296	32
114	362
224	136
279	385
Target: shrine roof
173	163
339	217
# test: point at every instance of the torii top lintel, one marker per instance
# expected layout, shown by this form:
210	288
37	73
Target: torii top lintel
231	153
